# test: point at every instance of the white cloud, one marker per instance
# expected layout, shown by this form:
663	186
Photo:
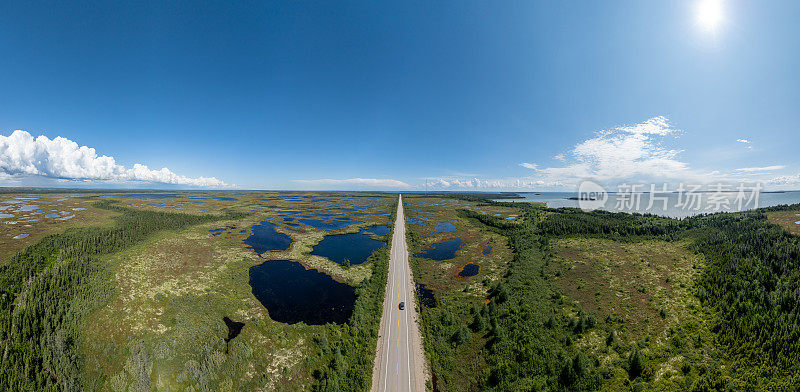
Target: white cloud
626	154
61	158
790	182
355	182
743	141
760	169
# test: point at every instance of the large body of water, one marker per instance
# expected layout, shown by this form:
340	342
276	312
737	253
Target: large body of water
292	294
721	202
354	247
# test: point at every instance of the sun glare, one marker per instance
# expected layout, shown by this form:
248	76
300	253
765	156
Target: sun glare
709	14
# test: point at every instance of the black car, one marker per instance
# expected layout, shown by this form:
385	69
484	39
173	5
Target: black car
402	305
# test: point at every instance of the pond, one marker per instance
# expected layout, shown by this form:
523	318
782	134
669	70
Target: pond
487	250
471	269
225	198
355	247
439	251
293	294
266	238
443	227
380	230
234	328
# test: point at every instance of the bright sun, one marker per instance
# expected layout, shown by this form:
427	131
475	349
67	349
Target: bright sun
709	14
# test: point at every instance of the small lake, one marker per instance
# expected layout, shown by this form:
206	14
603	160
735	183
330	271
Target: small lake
293	294
439	251
443	227
355	247
265	238
225	198
487	250
471	269
234	328
380	230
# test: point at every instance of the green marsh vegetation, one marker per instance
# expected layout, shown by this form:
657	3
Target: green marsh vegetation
50	286
604	301
138	305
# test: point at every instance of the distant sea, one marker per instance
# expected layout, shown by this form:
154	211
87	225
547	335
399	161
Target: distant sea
765	199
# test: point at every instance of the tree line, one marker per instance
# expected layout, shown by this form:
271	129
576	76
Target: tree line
47	289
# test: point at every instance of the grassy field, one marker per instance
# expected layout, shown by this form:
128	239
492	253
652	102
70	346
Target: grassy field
786	219
640	297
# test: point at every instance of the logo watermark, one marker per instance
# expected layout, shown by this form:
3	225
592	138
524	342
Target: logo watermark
655	198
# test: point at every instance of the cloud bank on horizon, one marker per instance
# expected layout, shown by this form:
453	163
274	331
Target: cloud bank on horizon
625	154
22	155
360	183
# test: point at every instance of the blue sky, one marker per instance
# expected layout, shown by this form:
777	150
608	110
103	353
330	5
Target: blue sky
384	95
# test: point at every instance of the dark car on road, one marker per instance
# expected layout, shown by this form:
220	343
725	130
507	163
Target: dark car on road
402	305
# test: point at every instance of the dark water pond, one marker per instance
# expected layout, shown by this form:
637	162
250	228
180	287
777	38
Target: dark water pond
266	238
234	328
487	250
225	198
380	230
425	295
471	269
293	294
439	251
355	247
145	196
443	227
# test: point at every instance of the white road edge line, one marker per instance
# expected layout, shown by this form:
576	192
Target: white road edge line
389	327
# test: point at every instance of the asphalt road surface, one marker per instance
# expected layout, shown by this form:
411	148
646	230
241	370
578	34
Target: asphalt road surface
399	360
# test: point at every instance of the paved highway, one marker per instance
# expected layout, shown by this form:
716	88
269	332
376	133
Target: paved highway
399	359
